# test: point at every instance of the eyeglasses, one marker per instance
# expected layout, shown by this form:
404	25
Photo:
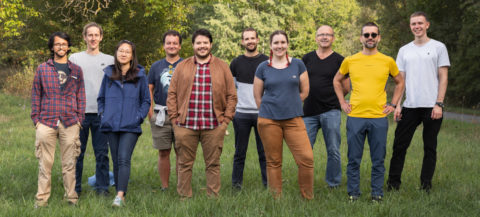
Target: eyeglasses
324	35
367	35
60	45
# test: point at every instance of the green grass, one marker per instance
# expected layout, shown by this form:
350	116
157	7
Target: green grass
456	185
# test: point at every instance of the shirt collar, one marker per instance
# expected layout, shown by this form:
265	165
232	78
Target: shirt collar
209	60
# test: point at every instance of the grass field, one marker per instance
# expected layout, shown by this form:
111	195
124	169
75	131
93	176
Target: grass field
456	184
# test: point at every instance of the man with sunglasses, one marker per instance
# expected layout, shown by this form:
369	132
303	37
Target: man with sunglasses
367	109
424	64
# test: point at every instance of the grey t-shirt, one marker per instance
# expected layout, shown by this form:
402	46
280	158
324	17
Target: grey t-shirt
92	67
281	97
420	64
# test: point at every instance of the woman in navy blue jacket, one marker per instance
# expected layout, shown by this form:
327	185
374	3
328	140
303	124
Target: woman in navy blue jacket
123	103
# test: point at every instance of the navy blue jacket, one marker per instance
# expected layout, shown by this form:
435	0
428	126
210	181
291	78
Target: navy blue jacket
123	107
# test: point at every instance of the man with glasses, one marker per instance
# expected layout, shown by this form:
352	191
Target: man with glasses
58	105
92	62
321	108
424	64
367	109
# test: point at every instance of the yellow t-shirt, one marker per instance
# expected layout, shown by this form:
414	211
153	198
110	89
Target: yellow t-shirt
368	75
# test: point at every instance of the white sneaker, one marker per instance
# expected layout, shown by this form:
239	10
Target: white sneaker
118	202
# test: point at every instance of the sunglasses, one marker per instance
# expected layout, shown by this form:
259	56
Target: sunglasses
367	35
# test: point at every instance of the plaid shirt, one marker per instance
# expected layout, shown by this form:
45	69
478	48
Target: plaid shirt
50	104
200	114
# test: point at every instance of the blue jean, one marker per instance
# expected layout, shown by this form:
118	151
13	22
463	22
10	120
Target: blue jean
330	124
100	148
376	130
242	125
121	148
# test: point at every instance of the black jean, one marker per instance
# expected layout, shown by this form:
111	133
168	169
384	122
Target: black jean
242	125
121	148
411	118
100	148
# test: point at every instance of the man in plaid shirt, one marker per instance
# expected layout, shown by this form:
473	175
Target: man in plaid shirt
58	107
201	102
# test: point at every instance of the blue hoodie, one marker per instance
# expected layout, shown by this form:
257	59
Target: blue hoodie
123	107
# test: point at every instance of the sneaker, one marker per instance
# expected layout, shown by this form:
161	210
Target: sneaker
103	193
72	203
352	198
163	189
40	204
330	187
118	202
377	199
237	186
393	187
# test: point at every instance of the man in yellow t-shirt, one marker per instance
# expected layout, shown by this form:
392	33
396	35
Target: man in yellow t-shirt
367	110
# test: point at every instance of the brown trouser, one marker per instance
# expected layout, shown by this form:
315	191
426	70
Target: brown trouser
45	142
186	143
272	133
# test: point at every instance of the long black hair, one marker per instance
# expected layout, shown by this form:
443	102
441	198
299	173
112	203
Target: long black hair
132	72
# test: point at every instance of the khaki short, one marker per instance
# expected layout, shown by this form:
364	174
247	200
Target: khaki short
163	137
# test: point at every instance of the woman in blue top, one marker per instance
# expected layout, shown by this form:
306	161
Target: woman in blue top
280	86
123	103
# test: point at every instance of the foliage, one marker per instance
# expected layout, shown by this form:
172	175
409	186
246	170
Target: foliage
20	84
299	19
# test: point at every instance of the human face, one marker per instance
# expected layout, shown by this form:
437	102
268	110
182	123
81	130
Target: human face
370	42
93	38
172	45
250	41
419	26
202	47
60	47
324	37
124	54
279	45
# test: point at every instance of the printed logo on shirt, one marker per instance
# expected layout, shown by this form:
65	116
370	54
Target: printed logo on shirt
62	77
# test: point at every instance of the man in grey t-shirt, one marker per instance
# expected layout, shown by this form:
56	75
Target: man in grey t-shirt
424	64
92	62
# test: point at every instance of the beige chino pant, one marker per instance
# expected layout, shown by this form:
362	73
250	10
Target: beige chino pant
272	133
45	142
186	143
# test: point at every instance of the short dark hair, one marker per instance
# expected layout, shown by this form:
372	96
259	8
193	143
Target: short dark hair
370	24
278	32
131	75
203	32
419	13
172	33
61	35
250	29
91	24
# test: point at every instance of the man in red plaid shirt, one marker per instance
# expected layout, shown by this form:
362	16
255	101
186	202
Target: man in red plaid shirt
58	107
201	102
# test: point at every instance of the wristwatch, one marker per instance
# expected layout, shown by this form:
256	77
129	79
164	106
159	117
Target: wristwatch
440	104
390	104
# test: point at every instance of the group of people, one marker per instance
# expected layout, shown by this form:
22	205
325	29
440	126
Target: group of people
193	100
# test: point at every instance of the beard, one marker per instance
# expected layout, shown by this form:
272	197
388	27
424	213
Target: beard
367	45
203	56
57	54
251	50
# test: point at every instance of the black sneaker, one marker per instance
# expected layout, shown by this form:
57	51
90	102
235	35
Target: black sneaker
352	198
377	199
392	187
103	193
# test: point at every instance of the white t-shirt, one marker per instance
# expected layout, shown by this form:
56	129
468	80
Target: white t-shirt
420	64
92	67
